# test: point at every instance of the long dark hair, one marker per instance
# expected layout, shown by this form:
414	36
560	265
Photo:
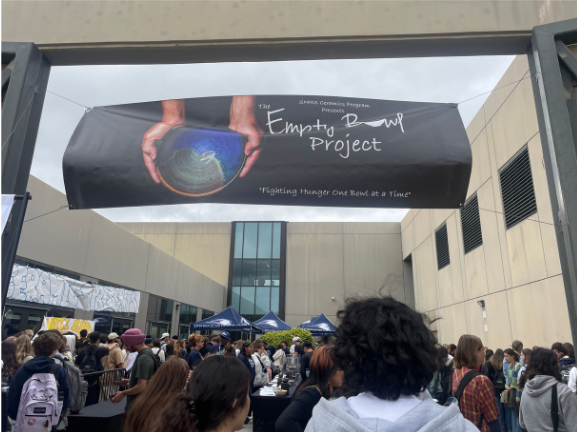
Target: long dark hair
166	384
213	388
9	356
442	356
512	353
321	370
170	350
543	362
497	359
243	348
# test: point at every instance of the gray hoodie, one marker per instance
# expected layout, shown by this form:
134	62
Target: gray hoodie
535	413
338	416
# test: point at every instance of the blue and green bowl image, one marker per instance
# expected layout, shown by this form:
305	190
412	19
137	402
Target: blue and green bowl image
195	162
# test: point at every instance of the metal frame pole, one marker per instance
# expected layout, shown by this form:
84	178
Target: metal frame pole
24	84
13	247
551	66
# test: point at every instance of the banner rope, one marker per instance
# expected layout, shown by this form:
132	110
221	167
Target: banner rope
47	213
497	88
63	97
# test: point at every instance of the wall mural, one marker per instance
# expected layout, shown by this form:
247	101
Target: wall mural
36	285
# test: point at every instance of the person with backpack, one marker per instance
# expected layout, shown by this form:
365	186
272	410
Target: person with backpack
141	372
33	395
89	360
442	379
157	351
494	371
547	404
473	391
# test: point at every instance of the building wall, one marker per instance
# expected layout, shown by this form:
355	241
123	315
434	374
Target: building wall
85	243
517	271
202	246
323	260
326	260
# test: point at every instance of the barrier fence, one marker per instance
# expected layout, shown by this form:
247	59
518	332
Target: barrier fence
104	384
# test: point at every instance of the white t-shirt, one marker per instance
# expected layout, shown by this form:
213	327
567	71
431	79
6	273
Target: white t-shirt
366	405
573	379
292	349
156	350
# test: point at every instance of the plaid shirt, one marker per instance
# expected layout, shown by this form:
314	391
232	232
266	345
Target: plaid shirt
478	397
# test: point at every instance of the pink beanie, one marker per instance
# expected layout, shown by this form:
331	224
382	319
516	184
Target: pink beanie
132	337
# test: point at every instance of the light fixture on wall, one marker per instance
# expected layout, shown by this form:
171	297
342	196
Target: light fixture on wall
333	298
481	303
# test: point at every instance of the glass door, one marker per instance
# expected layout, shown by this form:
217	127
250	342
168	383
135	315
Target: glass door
121	325
156	329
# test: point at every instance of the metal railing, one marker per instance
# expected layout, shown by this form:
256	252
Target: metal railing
105	384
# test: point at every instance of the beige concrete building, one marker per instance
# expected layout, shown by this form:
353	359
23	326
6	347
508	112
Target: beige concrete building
515	271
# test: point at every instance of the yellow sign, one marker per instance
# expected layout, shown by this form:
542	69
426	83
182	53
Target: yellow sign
66	325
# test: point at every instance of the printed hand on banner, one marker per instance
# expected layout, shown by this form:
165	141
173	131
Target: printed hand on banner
173	115
243	121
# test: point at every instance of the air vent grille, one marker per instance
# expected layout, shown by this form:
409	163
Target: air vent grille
442	241
471	223
517	189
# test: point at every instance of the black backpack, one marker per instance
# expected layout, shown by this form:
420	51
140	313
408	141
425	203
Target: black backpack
155	359
446	384
499	379
89	364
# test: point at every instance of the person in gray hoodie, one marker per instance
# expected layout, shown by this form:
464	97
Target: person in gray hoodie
387	354
542	374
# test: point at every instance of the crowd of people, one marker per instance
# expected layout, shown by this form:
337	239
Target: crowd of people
383	371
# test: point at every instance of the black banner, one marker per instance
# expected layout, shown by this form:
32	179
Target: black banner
270	150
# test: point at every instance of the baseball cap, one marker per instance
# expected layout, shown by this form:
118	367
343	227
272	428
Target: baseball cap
147	340
166	334
225	335
296	339
112	336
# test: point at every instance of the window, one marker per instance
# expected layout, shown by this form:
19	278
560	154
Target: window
158	315
442	242
187	314
517	189
471	223
206	314
256	263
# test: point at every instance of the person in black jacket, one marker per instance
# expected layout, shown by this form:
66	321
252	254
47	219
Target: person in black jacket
306	359
246	358
323	378
494	371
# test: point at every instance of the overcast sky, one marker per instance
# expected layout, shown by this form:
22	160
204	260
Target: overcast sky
451	79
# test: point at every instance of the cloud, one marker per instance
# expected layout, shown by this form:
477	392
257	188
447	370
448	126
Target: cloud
447	79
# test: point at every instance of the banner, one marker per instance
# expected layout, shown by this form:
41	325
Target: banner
65	325
36	285
270	150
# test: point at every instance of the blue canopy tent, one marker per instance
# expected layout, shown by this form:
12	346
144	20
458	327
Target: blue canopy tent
319	326
226	320
271	323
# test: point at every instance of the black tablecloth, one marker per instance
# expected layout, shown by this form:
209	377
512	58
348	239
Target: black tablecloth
266	410
101	417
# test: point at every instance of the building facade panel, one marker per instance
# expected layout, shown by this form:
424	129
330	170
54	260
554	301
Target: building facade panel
515	267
